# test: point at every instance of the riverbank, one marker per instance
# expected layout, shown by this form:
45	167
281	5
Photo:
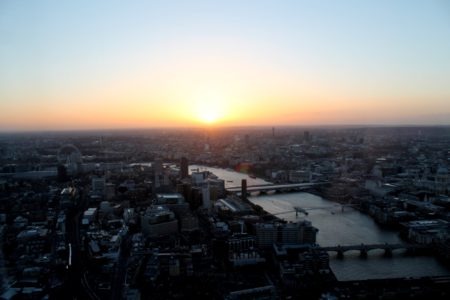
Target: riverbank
347	227
351	227
397	288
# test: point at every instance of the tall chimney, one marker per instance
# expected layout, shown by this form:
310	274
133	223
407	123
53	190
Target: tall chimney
244	189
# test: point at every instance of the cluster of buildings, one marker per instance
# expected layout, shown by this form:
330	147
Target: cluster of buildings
123	216
139	233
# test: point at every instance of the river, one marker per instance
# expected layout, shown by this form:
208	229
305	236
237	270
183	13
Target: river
344	227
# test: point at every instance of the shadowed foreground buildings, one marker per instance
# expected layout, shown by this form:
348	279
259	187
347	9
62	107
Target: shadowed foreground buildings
119	228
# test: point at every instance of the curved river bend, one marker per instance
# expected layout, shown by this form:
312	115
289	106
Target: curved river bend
347	227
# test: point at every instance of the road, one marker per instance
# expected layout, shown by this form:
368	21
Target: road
77	284
119	277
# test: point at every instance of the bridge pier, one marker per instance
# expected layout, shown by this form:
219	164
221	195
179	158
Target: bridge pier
363	251
387	248
340	252
388	252
410	251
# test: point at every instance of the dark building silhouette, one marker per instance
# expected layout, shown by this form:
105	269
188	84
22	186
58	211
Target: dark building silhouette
244	189
62	174
306	136
184	167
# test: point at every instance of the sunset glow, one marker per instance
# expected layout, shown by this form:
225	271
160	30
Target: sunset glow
209	108
209	112
225	63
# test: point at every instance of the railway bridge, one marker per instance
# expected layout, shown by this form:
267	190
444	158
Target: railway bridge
288	187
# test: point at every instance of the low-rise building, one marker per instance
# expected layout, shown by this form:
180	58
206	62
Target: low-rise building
427	231
158	221
268	234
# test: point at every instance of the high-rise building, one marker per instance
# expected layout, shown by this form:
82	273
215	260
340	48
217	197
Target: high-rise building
184	167
206	198
158	172
198	178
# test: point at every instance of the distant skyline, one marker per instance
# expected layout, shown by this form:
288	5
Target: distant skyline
69	65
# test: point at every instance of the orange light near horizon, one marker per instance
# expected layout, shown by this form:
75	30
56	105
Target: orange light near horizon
210	108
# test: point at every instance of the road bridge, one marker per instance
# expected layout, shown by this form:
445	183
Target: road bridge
364	249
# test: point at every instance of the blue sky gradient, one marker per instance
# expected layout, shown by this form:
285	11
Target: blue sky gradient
55	53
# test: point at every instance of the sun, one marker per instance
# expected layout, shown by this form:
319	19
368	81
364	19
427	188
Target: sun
208	112
210	109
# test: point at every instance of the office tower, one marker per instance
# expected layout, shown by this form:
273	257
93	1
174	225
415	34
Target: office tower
206	198
184	168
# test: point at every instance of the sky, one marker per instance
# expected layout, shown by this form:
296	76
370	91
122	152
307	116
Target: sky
135	64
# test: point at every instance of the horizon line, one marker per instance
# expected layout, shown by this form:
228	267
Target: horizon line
218	127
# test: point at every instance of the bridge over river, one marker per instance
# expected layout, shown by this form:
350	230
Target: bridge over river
363	248
288	187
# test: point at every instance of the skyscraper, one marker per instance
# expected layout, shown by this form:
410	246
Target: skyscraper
206	198
184	167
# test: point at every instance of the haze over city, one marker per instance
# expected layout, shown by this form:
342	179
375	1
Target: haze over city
111	64
225	150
